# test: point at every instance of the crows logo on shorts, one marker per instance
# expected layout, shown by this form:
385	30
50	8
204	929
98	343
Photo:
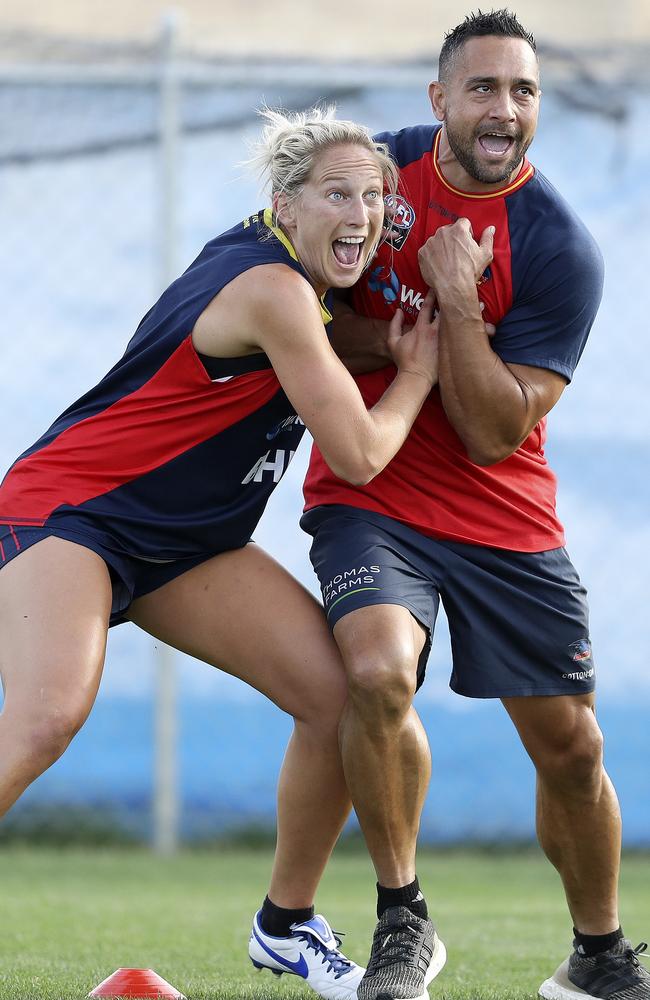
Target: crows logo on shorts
580	650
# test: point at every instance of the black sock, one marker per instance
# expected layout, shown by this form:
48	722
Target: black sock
407	895
277	921
593	944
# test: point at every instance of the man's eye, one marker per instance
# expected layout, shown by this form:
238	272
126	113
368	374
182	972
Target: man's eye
335	195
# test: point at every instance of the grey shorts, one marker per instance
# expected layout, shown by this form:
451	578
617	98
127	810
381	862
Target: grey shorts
518	621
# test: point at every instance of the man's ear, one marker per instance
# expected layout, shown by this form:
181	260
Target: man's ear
438	98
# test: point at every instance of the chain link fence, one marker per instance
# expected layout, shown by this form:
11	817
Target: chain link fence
118	162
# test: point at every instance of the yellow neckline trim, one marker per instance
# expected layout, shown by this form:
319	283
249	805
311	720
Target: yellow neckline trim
526	174
289	247
277	232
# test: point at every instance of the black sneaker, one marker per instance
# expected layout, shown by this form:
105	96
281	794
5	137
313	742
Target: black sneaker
616	974
406	955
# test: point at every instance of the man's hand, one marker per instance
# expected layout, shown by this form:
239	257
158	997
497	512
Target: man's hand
452	256
492	406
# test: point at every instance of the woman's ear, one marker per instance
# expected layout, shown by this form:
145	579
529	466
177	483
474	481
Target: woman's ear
283	209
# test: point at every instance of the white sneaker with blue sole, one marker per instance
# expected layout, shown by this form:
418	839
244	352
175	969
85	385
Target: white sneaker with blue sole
311	952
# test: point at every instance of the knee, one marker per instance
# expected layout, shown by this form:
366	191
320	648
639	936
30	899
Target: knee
48	733
322	717
574	759
382	685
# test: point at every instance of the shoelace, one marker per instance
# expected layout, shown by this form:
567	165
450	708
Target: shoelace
336	962
633	954
395	948
629	955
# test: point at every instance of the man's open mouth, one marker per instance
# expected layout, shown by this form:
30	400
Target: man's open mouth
496	143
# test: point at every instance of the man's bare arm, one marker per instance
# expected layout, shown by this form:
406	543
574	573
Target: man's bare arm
492	406
360	342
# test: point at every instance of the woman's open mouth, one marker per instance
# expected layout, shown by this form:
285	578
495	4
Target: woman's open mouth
347	250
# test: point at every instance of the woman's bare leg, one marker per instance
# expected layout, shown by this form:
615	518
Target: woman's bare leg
55	601
242	612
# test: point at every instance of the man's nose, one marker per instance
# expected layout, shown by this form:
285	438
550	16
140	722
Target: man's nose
502	106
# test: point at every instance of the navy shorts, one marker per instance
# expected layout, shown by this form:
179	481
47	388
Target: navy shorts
131	576
518	621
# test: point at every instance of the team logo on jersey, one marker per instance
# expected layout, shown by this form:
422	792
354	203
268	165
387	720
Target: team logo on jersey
399	220
383	279
486	276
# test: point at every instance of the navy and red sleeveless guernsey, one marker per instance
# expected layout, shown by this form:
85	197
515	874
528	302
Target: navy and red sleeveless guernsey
541	291
172	454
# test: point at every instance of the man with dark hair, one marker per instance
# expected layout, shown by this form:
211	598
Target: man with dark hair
499	23
465	513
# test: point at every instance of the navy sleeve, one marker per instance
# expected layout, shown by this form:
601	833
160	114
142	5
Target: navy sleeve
409	144
557	273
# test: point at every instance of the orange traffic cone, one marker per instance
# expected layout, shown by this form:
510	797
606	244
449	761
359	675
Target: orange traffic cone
136	983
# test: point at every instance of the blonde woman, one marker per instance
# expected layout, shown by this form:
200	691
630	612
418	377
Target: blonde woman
140	501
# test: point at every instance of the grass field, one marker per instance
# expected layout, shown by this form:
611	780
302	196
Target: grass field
70	918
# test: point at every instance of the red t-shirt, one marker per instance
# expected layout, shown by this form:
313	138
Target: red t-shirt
541	291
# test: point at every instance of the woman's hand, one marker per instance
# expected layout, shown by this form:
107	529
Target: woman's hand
416	349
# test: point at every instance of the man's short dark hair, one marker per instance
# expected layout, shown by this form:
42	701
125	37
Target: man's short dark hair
502	23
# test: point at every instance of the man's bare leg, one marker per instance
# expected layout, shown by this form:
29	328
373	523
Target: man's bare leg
387	765
579	829
384	747
578	817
